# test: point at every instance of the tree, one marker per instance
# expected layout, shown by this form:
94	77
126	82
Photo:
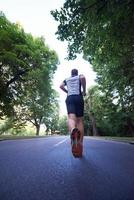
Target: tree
109	117
26	68
38	100
62	125
19	54
52	115
89	104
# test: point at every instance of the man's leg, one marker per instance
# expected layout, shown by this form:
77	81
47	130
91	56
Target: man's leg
71	121
75	135
80	126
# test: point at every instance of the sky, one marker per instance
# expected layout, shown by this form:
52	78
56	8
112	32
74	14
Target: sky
34	16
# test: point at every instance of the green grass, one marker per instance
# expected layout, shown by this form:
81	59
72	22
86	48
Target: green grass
14	137
119	139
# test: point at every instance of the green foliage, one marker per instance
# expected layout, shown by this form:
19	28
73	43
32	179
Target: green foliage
87	124
5	126
27	66
62	125
11	126
38	99
52	113
14	55
20	54
109	116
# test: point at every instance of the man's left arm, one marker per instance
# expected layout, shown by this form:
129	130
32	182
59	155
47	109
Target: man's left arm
83	83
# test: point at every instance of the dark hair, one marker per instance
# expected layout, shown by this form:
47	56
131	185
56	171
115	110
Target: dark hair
74	72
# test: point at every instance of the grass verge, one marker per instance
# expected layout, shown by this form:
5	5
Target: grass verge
118	139
14	137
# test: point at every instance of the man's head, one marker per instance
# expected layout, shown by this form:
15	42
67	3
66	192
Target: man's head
74	72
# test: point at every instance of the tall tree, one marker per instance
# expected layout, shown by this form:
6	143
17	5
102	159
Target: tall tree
19	54
38	97
27	66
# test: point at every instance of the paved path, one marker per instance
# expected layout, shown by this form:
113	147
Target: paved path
44	169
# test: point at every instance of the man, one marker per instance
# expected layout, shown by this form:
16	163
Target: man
75	107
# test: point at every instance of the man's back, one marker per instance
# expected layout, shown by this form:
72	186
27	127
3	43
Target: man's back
73	85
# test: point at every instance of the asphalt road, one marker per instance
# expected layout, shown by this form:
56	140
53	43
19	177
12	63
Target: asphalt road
44	169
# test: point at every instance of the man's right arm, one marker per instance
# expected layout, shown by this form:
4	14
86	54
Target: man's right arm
62	86
83	84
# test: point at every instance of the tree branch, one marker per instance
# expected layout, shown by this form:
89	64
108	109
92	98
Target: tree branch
16	77
92	5
31	122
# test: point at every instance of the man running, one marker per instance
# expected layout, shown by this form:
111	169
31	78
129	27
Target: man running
75	87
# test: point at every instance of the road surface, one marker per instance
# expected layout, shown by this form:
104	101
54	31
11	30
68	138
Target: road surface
44	169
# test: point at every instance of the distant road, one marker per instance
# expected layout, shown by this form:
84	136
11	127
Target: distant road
44	169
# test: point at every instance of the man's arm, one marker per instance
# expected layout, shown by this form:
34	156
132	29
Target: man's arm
83	84
62	86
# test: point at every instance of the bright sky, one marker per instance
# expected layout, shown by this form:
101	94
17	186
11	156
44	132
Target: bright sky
35	17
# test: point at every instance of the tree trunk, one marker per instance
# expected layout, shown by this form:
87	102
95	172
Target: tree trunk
130	126
92	119
37	130
93	122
